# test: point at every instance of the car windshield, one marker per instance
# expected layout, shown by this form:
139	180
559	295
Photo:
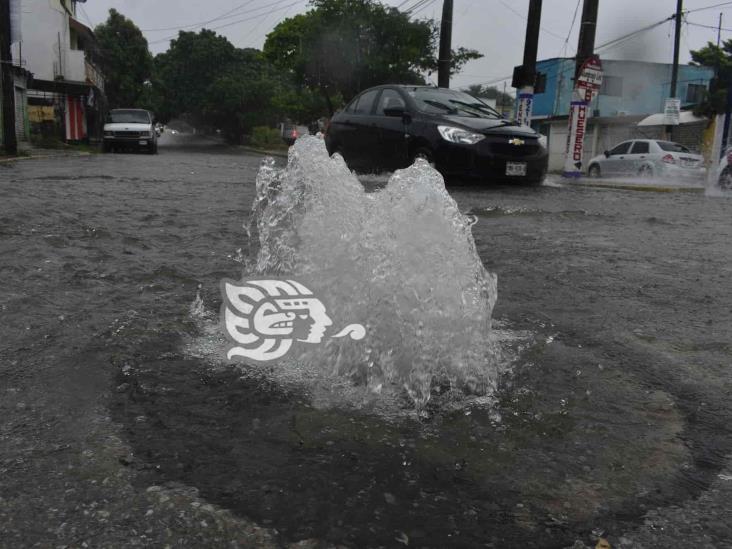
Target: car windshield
435	100
672	147
129	117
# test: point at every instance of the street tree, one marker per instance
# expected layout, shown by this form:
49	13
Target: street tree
491	92
126	61
718	58
340	47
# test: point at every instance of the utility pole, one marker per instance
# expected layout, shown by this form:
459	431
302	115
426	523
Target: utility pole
587	82
588	27
675	67
524	77
6	80
445	59
719	30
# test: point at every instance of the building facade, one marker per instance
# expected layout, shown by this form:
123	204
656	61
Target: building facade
65	97
628	88
631	91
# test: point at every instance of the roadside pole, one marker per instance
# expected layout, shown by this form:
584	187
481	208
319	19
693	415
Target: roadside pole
675	67
524	77
445	59
10	142
587	82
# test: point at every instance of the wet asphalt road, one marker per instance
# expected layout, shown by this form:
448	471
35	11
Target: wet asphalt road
101	257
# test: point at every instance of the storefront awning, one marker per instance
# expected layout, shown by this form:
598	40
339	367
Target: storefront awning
658	119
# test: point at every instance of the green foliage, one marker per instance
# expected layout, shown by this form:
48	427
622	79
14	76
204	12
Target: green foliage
720	59
264	137
126	61
491	92
340	47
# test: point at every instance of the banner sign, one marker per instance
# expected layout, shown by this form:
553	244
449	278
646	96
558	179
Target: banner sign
587	85
525	106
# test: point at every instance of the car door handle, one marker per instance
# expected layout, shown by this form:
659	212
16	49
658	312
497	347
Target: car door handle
642	157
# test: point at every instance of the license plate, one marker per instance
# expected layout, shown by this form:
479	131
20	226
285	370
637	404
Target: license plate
143	142
516	168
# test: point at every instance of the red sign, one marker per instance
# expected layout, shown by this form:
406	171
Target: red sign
590	76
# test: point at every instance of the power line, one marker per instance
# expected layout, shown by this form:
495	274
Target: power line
424	7
713	27
571	28
266	14
709	7
522	16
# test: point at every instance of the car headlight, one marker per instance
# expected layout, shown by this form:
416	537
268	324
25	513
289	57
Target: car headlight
457	135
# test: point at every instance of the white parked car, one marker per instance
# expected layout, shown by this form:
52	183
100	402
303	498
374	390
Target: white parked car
130	129
647	158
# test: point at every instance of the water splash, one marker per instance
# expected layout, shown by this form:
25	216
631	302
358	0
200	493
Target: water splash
401	261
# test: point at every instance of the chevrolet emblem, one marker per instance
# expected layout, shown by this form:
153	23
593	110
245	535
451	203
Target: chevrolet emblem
516	141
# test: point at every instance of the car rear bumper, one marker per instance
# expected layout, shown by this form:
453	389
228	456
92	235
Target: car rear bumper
488	161
680	172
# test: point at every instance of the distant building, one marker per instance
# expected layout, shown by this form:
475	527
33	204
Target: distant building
66	93
631	90
628	87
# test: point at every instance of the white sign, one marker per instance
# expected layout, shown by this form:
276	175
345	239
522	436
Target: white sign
263	318
525	106
672	112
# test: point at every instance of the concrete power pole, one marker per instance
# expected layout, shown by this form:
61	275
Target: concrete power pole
587	80
675	67
586	44
10	143
445	60
524	79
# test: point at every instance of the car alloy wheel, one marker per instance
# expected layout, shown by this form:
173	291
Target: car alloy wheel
594	171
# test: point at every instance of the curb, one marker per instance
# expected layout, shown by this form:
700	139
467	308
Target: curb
264	152
43	157
639	188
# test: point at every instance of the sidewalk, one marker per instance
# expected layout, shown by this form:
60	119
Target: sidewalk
28	152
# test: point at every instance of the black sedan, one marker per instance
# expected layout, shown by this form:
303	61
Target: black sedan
388	127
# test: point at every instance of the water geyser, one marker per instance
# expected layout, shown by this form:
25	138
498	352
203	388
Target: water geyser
400	260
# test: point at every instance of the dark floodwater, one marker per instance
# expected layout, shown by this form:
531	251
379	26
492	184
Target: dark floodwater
615	419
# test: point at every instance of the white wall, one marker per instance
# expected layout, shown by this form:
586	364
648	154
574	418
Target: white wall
45	24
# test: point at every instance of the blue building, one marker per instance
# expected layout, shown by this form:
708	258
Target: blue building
629	87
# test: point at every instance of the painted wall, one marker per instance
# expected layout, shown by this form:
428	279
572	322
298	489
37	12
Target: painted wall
640	88
46	40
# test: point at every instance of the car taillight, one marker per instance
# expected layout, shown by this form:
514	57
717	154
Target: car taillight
729	157
294	134
669	159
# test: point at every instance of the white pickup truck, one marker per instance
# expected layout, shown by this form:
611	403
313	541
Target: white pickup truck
130	129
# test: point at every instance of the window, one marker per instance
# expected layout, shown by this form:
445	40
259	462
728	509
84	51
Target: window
390	99
621	149
612	86
640	147
445	101
672	147
366	102
695	93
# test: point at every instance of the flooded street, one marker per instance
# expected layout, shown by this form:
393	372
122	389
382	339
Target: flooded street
614	418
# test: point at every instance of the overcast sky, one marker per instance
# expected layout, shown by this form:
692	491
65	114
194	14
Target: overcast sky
496	28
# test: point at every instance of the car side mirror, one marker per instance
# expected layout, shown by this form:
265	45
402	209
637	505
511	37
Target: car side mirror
607	154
